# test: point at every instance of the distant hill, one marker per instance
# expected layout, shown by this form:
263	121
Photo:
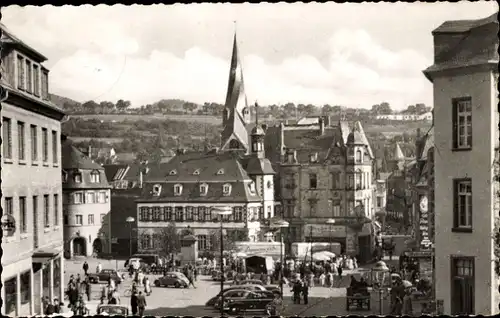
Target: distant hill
61	100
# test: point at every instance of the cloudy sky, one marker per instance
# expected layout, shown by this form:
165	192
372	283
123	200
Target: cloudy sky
341	54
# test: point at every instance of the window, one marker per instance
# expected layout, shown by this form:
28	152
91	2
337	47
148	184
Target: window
8	206
101	197
462	204
289	208
336	180
66	220
251	187
168	213
261	213
350	207
46	211
21	141
189	213
55	157
226	189
203	242
238	214
196	215
103	217
7	138
29	76
350	182
207	213
77	177
22	215
336	208
95	177
221	171
36	80
20	72
177	189
77	198
173	172
90	197
91	219
313	204
79	219
359	156
34	143
462	123
463	293
143	213
179	213
156	190
145	241
196	172
56	209
358	176
313	181
203	189
45	84
156	214
45	145
269	212
25	296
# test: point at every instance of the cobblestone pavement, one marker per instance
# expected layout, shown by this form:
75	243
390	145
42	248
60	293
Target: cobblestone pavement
191	302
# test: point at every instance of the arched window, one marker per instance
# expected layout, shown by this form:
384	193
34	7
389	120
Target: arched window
234	144
95	176
359	156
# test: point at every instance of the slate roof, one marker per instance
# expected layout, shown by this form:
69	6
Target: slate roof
72	158
307	140
460	26
11	38
194	169
257	166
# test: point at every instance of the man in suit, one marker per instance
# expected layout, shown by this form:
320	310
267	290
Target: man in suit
141	303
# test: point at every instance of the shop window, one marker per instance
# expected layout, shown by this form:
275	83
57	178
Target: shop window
57	278
46	281
10	287
25	294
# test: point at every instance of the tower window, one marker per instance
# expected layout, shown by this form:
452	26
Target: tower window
359	156
173	172
226	189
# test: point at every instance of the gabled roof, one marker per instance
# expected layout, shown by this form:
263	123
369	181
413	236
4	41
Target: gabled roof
72	158
9	37
257	166
398	153
460	26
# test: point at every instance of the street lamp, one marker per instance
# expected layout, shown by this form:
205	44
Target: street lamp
130	220
331	222
281	224
222	211
380	267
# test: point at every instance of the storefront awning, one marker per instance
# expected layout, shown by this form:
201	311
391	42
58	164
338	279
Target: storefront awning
43	256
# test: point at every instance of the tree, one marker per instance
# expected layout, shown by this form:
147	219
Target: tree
189	107
90	106
170	240
411	109
122	105
107	107
384	108
326	110
289	109
230	236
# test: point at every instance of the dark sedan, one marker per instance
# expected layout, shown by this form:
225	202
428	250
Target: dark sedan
252	301
213	301
104	276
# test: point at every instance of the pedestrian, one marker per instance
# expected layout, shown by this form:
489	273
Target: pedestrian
296	290
115	298
195	272
85	267
98	268
78	283
104	293
88	288
190	279
133	303
80	309
407	303
147	286
141	303
57	306
339	272
305	292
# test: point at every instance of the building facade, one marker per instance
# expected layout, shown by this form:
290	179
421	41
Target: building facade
465	79
32	260
184	192
86	204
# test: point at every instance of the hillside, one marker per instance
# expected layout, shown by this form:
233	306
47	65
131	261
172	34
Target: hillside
61	100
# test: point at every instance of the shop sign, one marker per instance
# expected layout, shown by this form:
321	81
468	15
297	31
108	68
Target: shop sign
425	242
259	248
8	225
322	230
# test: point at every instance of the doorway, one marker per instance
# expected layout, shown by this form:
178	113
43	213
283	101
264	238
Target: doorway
79	247
97	246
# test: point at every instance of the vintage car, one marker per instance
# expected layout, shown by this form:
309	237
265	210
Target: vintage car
111	310
104	276
214	300
248	282
174	279
249	301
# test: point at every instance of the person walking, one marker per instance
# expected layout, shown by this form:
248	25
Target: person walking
88	287
305	292
98	268
191	279
147	286
296	290
339	272
141	303
85	267
134	303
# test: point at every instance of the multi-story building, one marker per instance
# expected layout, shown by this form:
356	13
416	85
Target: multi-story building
465	79
32	243
86	204
326	171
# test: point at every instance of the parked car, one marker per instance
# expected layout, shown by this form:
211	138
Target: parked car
111	310
213	301
149	259
275	289
249	282
174	279
252	301
104	275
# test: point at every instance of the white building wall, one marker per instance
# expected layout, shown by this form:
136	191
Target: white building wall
476	164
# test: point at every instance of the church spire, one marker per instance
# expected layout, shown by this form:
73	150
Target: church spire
236	113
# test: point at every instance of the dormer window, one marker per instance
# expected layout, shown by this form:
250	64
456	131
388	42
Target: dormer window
64	176
359	156
203	189
196	172
173	172
226	189
313	158
251	187
95	177
156	190
221	171
77	177
178	189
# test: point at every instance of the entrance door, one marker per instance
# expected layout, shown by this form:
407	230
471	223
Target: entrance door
97	246
79	247
462	297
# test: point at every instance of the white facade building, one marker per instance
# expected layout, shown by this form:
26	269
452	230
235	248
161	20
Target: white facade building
464	76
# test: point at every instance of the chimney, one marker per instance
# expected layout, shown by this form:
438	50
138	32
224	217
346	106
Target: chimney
321	126
89	151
